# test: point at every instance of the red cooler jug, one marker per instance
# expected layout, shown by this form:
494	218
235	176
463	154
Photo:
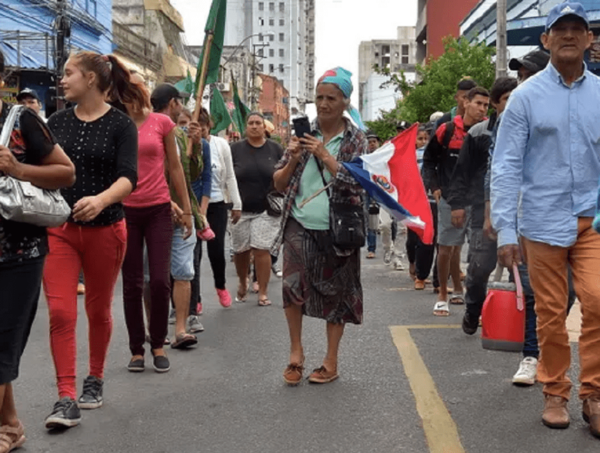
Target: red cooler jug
503	316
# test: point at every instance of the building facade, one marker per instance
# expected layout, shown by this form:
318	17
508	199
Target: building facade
28	35
437	19
273	103
156	22
398	56
526	21
282	35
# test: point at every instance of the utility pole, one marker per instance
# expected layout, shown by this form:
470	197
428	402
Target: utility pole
501	42
63	32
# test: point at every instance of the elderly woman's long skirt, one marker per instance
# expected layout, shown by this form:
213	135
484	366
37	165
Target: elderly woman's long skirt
327	286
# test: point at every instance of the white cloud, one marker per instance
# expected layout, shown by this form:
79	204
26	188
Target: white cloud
341	26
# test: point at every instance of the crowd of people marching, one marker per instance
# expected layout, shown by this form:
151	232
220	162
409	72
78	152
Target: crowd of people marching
147	186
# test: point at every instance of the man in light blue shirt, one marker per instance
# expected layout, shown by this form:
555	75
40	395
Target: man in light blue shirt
546	168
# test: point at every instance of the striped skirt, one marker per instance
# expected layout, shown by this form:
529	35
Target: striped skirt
326	285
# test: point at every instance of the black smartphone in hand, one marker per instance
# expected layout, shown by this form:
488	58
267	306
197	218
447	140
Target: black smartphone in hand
301	126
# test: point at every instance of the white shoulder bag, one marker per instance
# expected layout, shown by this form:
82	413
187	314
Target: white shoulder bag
21	201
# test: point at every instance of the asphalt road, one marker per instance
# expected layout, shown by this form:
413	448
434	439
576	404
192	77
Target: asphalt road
227	395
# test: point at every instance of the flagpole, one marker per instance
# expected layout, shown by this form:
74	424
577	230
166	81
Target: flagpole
203	74
200	92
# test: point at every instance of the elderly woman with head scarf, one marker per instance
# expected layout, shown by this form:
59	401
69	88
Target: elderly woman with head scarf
319	279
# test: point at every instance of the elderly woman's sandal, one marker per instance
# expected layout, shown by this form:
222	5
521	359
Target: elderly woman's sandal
293	373
11	437
441	308
323	376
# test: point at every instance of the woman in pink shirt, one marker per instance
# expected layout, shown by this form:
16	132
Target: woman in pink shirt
150	222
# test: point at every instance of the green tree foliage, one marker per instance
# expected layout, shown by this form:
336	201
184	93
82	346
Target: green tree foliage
437	84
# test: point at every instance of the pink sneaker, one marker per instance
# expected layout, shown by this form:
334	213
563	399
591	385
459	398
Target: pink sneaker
224	297
207	234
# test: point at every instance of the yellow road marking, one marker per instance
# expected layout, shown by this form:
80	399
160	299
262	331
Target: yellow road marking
433	326
441	432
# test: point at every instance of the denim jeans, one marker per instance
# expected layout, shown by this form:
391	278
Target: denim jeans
531	348
371	240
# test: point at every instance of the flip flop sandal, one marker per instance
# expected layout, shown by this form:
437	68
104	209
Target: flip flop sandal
264	302
441	309
6	441
457	300
241	297
184	341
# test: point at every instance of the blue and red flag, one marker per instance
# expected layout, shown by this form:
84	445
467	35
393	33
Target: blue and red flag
391	177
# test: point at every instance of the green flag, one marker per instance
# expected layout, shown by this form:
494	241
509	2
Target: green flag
186	85
219	113
215	27
241	111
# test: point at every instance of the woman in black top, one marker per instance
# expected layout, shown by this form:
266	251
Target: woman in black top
33	156
254	162
102	142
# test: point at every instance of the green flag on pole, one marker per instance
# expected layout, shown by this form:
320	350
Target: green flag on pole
241	111
213	42
186	85
219	113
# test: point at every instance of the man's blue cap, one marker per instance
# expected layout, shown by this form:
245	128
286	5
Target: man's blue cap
566	9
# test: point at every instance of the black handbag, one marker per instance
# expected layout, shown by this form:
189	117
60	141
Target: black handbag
346	221
274	204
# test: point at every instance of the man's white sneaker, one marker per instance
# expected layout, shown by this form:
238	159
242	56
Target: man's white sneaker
398	265
387	257
527	372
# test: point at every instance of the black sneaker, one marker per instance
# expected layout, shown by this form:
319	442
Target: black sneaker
161	363
470	323
91	398
65	414
136	366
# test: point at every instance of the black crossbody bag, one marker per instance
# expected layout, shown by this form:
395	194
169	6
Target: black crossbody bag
346	221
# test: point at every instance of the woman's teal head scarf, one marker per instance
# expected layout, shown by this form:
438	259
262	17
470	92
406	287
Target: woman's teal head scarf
342	78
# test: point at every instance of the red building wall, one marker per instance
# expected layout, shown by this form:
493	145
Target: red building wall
443	19
271	105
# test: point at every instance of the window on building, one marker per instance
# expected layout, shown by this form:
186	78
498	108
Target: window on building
281	22
385	62
281	37
261	68
272	38
261	6
261	38
261	52
281	68
271	22
271	68
272	6
90	7
405	53
261	21
281	7
271	52
385	50
281	53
